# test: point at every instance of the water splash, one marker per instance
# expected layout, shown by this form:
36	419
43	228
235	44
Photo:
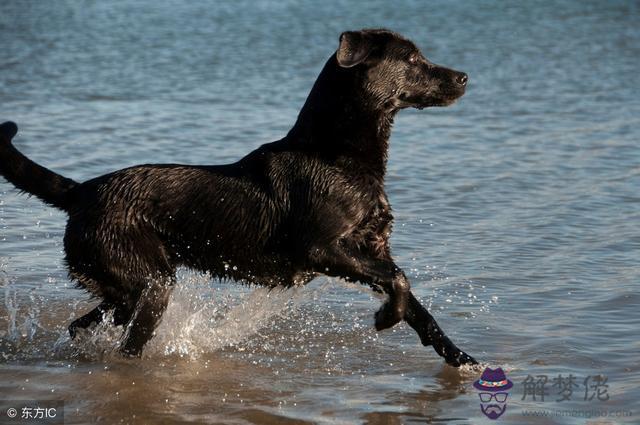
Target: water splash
196	322
21	330
201	317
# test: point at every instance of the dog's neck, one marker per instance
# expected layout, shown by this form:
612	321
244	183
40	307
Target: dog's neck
339	119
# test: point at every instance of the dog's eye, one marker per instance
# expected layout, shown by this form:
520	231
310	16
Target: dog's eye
413	59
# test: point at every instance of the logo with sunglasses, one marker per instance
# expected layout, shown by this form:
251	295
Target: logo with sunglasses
493	386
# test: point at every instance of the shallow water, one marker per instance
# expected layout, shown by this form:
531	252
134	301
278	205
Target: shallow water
516	210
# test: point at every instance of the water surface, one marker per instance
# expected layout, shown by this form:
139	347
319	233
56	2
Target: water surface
516	210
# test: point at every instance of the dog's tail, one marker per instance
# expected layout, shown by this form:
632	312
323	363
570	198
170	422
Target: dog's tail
28	176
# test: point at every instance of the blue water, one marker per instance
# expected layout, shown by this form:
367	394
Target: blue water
517	209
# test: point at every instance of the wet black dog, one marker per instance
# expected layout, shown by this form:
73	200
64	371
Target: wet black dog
312	203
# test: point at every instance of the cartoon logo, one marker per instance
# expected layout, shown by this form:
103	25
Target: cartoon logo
493	386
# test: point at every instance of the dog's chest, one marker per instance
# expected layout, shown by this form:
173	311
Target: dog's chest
372	224
377	227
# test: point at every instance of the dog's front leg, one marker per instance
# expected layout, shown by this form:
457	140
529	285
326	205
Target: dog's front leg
359	266
402	305
430	334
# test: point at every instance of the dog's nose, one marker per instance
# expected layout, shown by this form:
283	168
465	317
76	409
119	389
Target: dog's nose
462	78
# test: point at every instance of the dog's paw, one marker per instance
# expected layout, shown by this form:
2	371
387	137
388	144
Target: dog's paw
385	317
459	358
8	130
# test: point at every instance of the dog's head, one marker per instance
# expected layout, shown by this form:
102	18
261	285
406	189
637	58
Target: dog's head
395	73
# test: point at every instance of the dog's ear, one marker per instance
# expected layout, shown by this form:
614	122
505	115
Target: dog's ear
354	48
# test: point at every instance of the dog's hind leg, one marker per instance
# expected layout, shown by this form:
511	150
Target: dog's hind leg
132	273
95	316
430	334
121	316
146	316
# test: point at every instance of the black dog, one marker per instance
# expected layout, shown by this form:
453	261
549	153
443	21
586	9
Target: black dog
312	203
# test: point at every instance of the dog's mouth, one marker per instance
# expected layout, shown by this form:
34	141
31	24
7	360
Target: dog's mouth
427	100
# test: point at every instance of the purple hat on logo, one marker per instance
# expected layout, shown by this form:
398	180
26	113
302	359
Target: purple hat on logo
493	380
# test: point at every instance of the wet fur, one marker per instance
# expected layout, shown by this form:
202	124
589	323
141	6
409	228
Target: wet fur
311	203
